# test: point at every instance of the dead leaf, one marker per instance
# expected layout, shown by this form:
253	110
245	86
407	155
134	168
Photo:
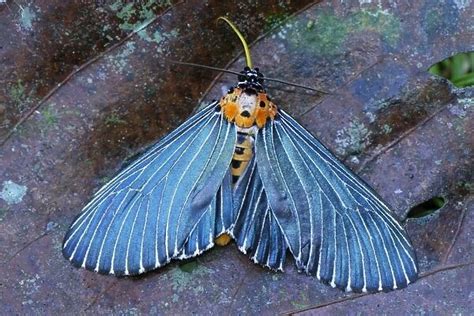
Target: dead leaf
407	133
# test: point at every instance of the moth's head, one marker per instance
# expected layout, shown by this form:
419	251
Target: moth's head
251	79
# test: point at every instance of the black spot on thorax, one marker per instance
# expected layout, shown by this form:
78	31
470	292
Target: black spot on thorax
245	114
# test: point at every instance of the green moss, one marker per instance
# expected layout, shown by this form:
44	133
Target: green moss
273	20
189	266
17	93
326	34
323	37
133	14
463	185
125	14
433	19
303	302
21	95
49	116
379	21
188	281
114	119
157	37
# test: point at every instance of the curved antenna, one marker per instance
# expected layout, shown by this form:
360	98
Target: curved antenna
204	67
248	59
238	73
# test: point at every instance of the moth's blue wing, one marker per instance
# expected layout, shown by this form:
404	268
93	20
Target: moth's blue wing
215	221
225	215
146	215
256	229
335	226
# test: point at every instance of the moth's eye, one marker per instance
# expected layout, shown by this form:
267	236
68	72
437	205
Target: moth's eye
246	68
242	78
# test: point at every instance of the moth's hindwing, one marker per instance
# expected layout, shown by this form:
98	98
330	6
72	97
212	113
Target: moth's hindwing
256	230
335	226
161	207
219	214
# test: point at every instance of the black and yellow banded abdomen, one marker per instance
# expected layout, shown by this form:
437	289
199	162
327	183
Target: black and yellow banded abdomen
243	153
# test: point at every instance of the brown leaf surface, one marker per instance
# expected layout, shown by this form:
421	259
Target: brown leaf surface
407	133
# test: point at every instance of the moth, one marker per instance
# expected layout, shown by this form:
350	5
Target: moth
244	169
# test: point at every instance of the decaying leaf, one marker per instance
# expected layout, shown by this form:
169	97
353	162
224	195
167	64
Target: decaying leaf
409	134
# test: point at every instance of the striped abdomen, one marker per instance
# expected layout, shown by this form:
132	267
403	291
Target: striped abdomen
243	153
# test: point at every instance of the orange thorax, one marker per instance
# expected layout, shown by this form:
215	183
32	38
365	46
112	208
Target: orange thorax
247	109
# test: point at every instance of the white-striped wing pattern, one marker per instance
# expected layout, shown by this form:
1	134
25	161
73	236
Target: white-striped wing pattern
160	207
294	196
335	226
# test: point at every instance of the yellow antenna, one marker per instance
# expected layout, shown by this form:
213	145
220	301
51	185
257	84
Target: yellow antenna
248	59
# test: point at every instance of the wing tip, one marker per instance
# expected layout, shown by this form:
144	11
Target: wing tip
361	288
267	264
108	270
116	271
183	256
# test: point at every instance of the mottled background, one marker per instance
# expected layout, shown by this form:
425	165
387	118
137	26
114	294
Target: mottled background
85	85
